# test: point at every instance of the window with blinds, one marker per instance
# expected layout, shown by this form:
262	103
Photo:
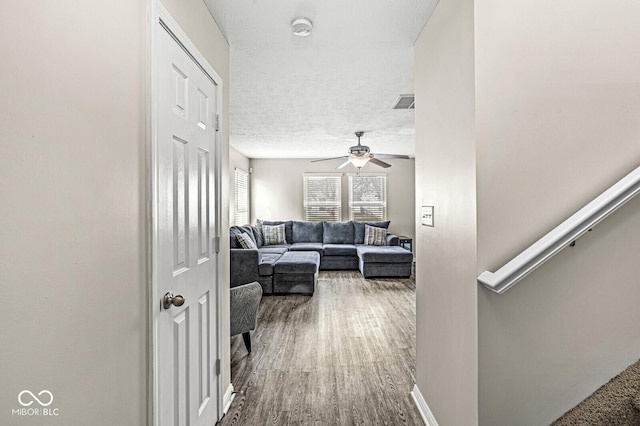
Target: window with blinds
368	197
322	197
241	197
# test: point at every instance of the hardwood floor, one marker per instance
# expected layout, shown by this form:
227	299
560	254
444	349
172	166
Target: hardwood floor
344	356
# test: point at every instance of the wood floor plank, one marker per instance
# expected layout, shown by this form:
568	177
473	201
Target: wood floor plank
344	356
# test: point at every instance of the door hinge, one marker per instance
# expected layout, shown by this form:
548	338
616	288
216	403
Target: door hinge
217	122
216	244
218	367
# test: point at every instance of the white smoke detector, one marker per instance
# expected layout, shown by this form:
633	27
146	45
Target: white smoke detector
301	26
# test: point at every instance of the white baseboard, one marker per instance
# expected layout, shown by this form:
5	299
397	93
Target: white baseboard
423	408
228	399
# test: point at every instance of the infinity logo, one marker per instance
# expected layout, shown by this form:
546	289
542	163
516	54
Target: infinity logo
26	404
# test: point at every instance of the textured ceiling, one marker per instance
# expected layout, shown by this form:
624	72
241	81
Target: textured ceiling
305	97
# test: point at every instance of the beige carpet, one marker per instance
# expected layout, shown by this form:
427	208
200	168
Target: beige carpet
615	404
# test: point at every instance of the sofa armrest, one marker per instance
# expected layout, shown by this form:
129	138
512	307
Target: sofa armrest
392	240
244	266
244	302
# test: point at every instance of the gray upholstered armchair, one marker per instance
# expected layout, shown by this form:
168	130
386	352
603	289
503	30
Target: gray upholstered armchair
245	300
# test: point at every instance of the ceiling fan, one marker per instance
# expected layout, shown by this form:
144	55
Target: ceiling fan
359	155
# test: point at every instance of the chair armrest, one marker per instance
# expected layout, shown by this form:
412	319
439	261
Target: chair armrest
393	240
244	302
244	266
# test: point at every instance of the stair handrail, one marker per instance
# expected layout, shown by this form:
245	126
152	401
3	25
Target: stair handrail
562	235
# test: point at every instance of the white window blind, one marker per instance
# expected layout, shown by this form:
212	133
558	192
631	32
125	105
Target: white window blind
368	197
241	197
322	197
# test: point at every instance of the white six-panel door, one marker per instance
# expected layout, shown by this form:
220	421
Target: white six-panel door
184	262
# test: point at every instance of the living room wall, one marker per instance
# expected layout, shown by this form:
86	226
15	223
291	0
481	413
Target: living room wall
277	190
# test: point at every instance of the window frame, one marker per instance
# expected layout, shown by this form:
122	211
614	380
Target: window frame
309	205
241	216
381	204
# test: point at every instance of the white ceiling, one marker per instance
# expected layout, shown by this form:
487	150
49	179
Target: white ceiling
305	97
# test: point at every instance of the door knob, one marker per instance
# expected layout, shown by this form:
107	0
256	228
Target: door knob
170	299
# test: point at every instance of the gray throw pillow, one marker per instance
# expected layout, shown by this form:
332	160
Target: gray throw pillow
235	230
273	234
374	236
359	229
246	241
288	228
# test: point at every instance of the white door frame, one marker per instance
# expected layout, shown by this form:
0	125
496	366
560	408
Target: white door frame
159	16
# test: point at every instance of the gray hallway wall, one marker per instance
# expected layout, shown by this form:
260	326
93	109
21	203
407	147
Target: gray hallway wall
74	232
554	94
73	252
446	295
558	122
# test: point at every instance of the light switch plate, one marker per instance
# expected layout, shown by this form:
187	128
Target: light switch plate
427	215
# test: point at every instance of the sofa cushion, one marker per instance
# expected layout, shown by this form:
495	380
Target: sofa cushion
307	232
339	250
297	263
375	236
246	241
288	227
267	260
307	247
359	229
338	232
235	230
384	254
278	249
273	234
266	268
257	234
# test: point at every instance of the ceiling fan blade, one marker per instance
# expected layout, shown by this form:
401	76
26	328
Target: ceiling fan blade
404	157
343	164
379	163
332	158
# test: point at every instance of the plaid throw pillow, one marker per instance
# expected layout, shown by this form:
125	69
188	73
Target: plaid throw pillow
374	236
273	234
245	241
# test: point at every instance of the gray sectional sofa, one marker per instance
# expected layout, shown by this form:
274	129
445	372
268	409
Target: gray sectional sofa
339	246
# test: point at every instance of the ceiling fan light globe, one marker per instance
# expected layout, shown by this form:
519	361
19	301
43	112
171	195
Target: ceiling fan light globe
359	161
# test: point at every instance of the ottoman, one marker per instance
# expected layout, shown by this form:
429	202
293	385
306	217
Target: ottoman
296	272
384	261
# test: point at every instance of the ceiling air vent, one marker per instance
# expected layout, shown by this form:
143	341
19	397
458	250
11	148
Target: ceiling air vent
405	102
